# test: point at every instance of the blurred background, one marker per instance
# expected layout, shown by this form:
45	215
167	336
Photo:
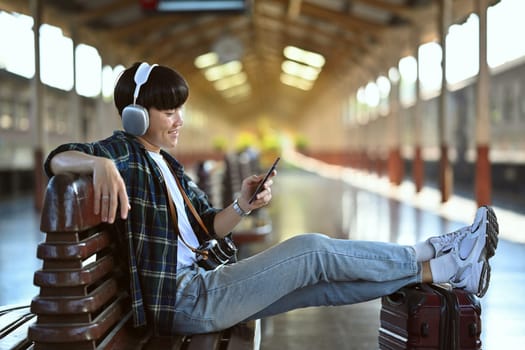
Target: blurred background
415	102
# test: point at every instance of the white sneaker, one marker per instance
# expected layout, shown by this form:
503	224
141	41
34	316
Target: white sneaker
472	252
445	243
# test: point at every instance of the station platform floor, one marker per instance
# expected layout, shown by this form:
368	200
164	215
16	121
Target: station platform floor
309	196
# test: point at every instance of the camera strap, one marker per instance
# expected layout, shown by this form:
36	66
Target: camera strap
175	219
188	202
192	209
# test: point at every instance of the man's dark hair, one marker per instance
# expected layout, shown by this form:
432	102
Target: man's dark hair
165	89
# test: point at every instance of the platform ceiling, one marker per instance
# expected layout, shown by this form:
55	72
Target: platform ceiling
359	39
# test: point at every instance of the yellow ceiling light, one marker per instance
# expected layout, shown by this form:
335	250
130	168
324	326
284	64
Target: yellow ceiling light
207	60
304	56
222	71
300	70
237	91
228	78
231	81
296	82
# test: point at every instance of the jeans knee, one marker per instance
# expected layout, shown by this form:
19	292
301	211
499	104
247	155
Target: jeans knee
310	241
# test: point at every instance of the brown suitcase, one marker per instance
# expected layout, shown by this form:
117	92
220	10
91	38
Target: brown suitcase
428	316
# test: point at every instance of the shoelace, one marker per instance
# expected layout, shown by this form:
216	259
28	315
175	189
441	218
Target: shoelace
447	241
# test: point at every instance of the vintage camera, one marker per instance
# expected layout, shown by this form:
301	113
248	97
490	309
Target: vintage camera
214	253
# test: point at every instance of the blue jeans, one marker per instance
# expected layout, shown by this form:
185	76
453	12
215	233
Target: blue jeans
306	270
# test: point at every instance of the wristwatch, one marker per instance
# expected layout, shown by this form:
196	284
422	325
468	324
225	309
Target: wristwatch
238	208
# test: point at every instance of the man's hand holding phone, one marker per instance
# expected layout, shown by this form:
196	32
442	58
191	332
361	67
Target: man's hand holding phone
251	199
260	187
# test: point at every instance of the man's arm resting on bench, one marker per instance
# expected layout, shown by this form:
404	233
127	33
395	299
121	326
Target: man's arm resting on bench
109	187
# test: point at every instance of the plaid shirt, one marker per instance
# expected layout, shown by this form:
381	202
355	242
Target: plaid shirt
148	235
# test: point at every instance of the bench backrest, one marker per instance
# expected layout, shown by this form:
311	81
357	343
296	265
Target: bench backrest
80	300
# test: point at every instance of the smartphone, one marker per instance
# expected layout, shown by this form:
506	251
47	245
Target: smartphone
260	186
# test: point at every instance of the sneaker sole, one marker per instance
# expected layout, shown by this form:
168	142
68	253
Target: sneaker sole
491	243
492	232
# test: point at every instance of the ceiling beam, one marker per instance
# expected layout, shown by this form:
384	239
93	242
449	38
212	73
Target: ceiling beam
105	10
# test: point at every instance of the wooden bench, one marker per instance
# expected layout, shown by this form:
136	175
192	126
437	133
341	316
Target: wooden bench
82	302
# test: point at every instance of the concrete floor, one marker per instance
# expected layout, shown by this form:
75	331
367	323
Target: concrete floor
337	206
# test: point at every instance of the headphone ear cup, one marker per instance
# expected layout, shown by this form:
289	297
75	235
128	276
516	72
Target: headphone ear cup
135	120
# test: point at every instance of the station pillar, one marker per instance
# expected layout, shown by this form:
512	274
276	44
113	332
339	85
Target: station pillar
483	176
445	168
38	125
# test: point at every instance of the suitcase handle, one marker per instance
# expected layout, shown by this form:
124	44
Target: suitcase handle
397	298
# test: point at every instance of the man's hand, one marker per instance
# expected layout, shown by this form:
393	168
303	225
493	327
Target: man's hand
248	187
110	190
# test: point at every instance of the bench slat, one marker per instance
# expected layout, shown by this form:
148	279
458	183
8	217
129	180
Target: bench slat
75	305
17	339
78	332
10	318
74	277
80	250
14	323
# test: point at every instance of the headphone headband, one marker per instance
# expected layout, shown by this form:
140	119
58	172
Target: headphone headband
141	77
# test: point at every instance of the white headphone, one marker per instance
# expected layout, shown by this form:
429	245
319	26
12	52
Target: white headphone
135	118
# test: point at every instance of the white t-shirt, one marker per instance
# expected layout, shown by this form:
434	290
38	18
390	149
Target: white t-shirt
185	257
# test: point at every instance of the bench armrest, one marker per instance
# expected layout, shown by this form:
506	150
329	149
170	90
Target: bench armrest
68	204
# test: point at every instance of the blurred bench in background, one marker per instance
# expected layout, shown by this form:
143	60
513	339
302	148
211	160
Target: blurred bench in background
222	182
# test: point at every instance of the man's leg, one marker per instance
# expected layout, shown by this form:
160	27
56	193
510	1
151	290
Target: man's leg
230	294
